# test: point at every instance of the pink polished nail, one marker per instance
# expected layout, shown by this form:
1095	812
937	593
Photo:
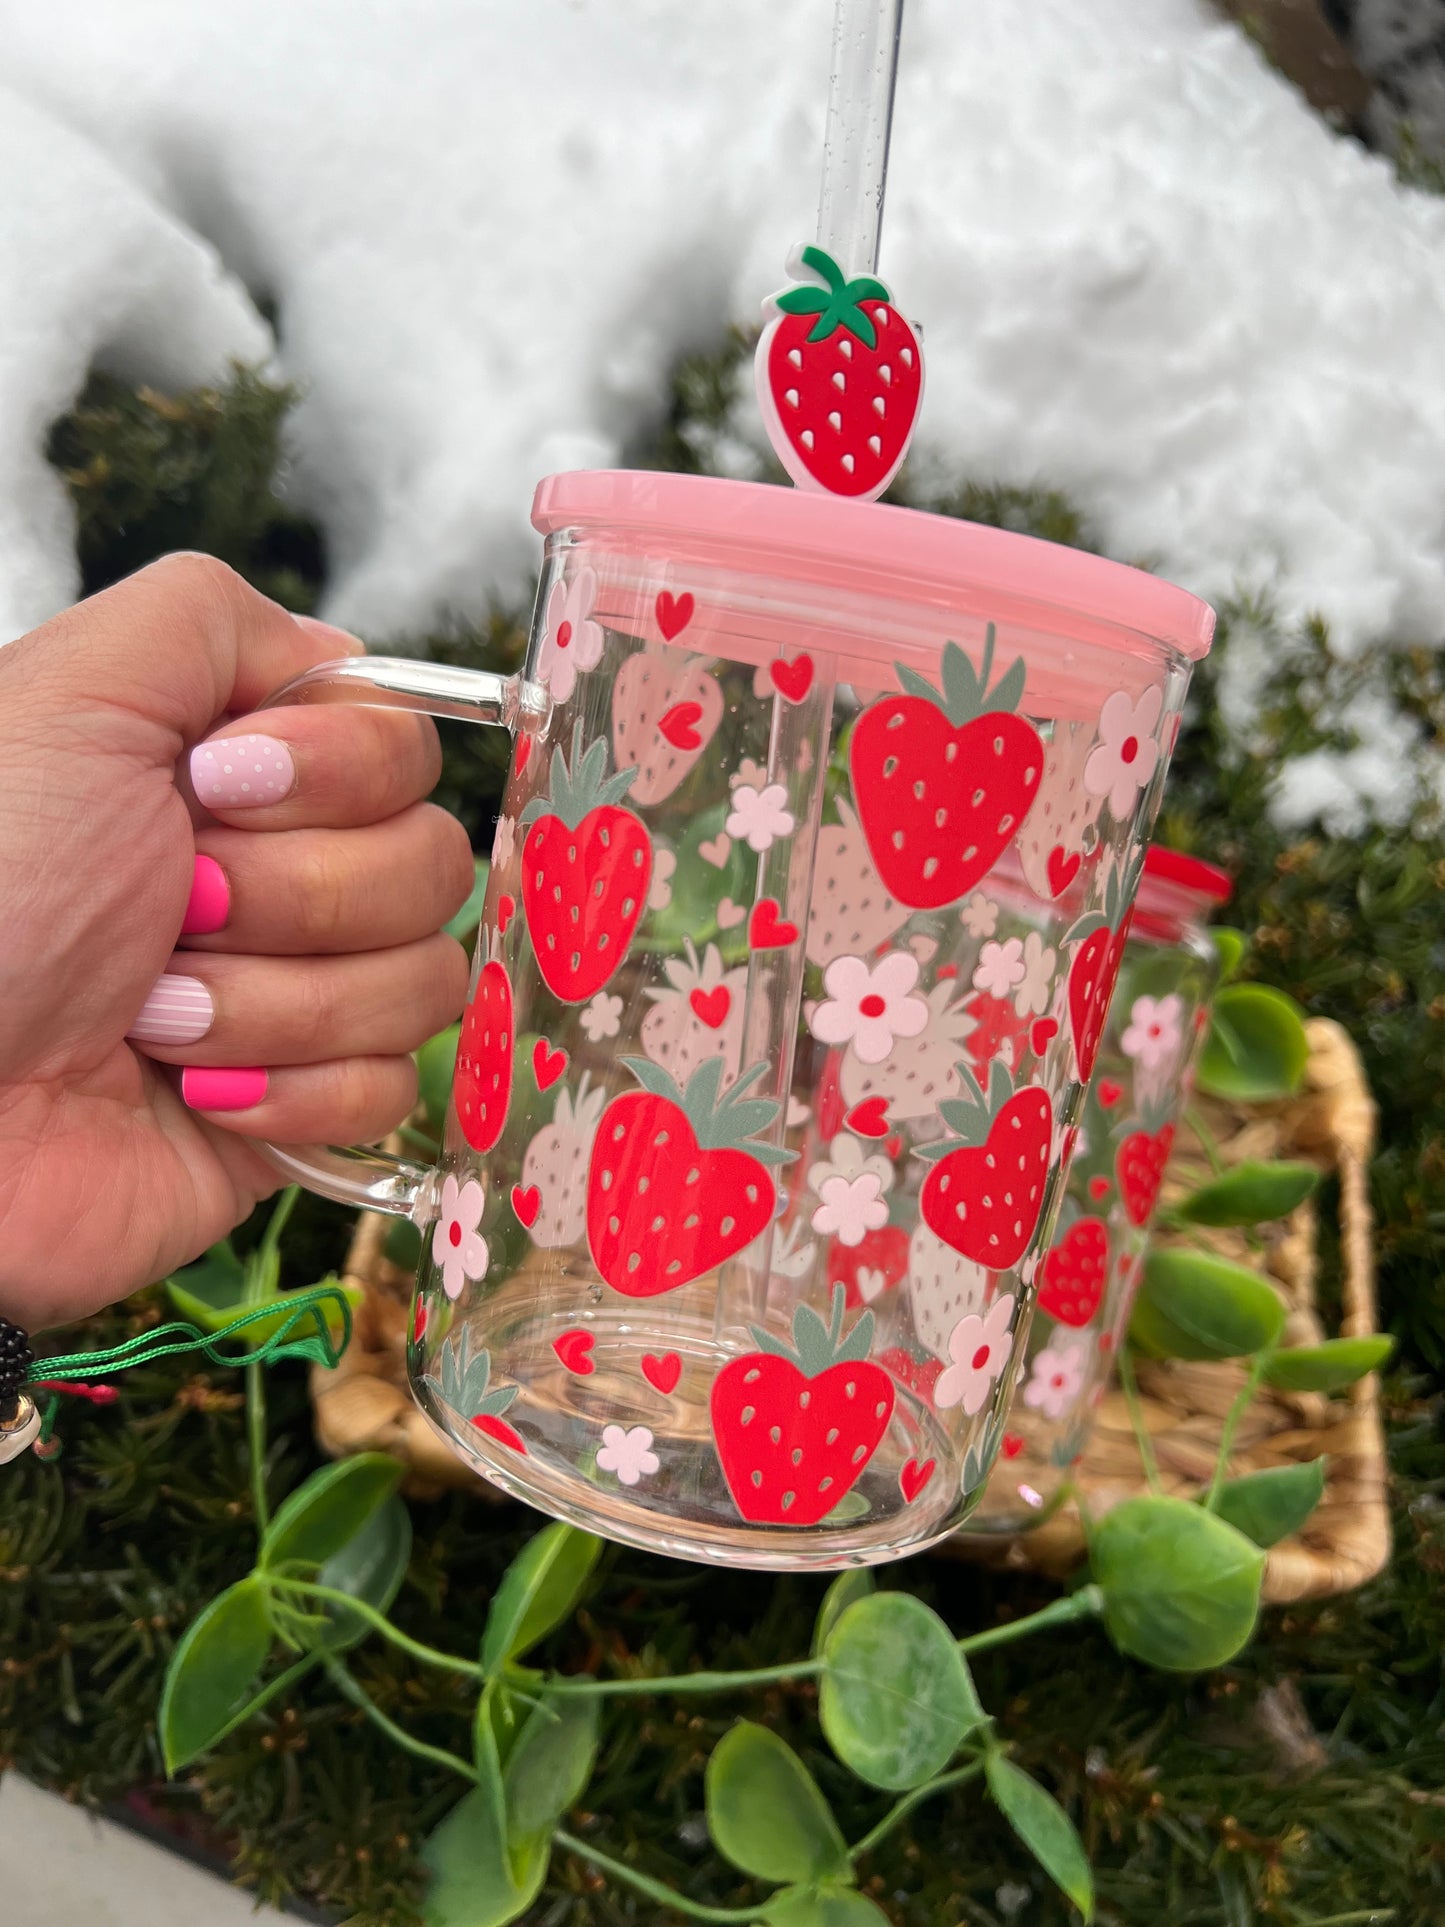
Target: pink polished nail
222	1090
178	1010
242	772
210	900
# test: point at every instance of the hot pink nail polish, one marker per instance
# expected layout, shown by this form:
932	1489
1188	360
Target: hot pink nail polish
210	900
177	1011
222	1090
242	772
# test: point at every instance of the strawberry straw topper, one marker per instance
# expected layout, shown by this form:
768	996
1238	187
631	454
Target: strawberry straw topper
839	376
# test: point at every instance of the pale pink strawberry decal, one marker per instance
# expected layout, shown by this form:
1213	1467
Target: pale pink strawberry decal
839	376
984	1194
942	780
849	911
1060	828
554	1171
1094	966
663	718
586	868
678	1181
699	1015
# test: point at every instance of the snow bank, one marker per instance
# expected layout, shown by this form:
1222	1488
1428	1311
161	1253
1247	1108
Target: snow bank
1149	276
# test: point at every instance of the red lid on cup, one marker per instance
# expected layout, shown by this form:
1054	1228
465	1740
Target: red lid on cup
1187	873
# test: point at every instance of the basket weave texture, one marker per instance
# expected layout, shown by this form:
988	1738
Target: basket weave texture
364	1405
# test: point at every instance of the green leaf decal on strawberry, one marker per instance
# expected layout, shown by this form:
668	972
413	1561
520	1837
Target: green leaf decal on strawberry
678	1181
795	1425
984	1195
1094	967
464	1387
839	376
942	780
586	869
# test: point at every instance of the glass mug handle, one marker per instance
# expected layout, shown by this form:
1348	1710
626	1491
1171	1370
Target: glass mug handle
375	1180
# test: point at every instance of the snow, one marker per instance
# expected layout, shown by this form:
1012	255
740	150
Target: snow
1148	274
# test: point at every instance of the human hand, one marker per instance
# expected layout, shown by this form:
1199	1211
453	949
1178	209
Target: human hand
139	1064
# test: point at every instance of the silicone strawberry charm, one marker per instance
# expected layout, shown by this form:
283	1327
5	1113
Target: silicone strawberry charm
1139	1166
482	1084
671	1190
942	781
1095	964
586	867
1075	1272
794	1425
839	375
464	1388
983	1197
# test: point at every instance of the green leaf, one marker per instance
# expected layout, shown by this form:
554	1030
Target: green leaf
1229	947
1181	1587
538	1591
1045	1829
469	916
549	1765
896	1696
370	1566
475	1880
327	1512
216	1281
1268	1506
1256	1047
1250	1193
213	1671
823	1907
1192	1305
765	1813
1329	1366
857	1583
436	1064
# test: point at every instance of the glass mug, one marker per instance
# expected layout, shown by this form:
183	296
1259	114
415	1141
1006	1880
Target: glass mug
1086	1285
710	1101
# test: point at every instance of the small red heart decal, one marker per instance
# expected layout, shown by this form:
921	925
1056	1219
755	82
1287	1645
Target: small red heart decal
574	1348
1041	1033
506	910
913	1478
526	1202
418	1323
662	1372
870	1118
674	613
1012	1445
1106	1342
894	1147
524	753
679	725
1109	1092
792	680
1099	1188
1062	869
947	970
767	930
547	1064
711	1007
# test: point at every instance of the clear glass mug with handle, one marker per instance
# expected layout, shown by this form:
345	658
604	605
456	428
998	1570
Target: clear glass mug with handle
711	1098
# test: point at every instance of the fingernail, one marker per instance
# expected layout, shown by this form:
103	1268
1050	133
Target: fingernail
242	772
210	900
222	1090
177	1011
343	641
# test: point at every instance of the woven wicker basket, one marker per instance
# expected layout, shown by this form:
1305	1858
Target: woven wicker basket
364	1405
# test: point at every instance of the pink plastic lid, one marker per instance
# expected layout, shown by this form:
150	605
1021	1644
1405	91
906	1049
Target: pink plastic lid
810	536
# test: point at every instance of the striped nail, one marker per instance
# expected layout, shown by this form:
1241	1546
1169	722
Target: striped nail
242	772
206	1089
210	900
178	1010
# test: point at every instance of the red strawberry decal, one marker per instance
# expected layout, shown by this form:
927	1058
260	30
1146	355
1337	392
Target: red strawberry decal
875	1265
942	781
918	1375
1139	1167
1075	1273
983	1197
1094	968
464	1389
998	1032
794	1426
839	376
482	1085
671	1190
586	868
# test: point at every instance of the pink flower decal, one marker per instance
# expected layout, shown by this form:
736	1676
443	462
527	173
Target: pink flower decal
851	1207
628	1452
760	817
571	640
1031	996
458	1249
1001	968
869	1008
1057	1377
1155	1030
978	1349
1126	756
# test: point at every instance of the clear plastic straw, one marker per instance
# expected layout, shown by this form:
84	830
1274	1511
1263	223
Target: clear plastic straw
860	121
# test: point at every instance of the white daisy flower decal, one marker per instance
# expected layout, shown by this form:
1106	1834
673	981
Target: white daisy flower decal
602	1017
628	1452
760	817
868	1008
1155	1030
847	1159
1031	997
851	1208
504	841
978	1350
979	916
1126	756
571	640
1000	968
1057	1377
458	1249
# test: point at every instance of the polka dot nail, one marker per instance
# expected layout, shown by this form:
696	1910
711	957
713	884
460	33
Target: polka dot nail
242	772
